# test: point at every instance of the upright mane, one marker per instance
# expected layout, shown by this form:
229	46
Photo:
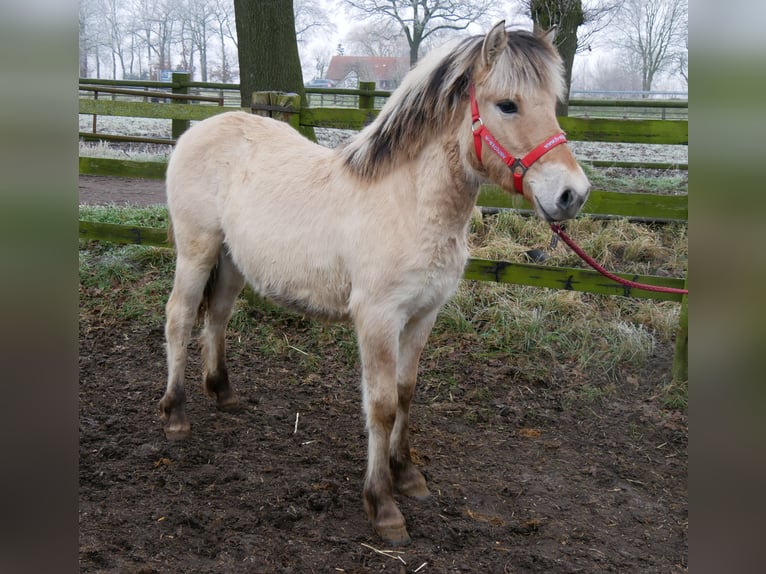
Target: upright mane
426	102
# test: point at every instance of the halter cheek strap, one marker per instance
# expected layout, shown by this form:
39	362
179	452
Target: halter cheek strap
518	166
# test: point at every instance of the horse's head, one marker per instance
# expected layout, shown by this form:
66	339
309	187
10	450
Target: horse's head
517	142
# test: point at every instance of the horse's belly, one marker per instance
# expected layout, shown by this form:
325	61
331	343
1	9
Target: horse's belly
317	291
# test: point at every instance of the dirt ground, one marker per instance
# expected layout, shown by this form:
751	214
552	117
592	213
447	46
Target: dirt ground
97	190
526	474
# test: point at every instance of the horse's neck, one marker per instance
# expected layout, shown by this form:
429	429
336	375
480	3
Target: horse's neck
447	189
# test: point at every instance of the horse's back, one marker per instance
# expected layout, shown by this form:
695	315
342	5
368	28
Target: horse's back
214	154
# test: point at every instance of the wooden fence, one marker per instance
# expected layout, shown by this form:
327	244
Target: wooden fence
635	206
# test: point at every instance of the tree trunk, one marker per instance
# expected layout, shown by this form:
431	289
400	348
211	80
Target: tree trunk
414	49
267	48
567	16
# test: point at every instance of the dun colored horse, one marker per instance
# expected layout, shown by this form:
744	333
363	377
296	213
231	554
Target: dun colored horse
373	232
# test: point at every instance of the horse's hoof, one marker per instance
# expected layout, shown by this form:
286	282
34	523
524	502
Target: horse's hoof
177	433
416	491
411	483
229	403
394	535
388	523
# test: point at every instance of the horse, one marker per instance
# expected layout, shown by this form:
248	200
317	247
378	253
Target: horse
373	232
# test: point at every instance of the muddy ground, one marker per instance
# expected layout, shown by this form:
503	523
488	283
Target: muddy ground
527	474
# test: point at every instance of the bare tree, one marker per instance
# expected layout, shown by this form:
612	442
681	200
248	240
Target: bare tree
682	61
197	20
88	34
378	39
310	20
113	26
156	23
608	74
223	14
138	38
419	19
653	33
576	22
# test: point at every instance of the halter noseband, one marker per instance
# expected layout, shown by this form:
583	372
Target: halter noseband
518	166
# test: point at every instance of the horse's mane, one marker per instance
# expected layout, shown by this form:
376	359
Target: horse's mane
431	93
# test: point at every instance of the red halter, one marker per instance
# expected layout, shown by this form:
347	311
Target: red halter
519	166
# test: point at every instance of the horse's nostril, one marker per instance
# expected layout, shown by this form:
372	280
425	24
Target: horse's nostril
566	199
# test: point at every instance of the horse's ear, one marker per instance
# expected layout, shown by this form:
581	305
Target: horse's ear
494	43
548	36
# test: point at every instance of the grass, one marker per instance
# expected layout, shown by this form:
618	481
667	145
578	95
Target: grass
637	180
587	337
154	216
134	151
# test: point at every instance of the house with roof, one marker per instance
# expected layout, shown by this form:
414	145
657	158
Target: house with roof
386	72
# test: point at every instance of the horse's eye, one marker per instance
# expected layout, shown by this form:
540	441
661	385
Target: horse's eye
508	107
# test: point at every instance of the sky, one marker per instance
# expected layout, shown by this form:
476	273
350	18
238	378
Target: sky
586	63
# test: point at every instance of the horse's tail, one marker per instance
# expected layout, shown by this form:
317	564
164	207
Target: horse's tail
170	240
207	293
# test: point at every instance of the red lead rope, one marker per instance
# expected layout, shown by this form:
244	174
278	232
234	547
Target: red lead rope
593	263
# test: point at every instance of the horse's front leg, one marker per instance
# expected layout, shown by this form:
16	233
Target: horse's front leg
378	346
408	480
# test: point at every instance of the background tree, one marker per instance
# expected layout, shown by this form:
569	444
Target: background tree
653	34
197	17
682	60
575	26
156	24
88	35
419	19
267	48
223	23
378	39
310	20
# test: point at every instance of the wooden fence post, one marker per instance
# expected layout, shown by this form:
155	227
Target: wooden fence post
681	356
182	80
282	106
366	102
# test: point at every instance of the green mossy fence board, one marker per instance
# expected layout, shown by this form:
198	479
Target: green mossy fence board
149	110
668	132
566	278
638	205
339	118
131	234
645	206
123	167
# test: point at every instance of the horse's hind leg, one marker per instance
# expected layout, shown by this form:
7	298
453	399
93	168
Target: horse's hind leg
408	480
192	273
227	284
